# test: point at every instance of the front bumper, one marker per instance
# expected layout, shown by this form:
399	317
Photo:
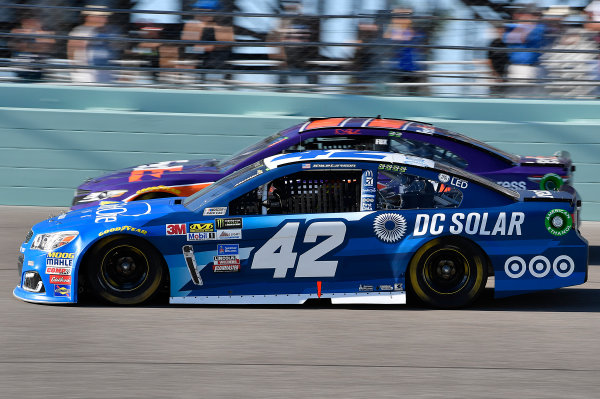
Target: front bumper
34	261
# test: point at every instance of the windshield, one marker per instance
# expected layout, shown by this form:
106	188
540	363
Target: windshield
202	197
477	179
250	151
511	157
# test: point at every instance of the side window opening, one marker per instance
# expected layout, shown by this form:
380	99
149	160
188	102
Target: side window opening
303	192
358	142
427	150
396	190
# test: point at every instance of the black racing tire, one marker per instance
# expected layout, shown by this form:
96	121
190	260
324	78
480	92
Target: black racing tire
124	270
153	195
448	273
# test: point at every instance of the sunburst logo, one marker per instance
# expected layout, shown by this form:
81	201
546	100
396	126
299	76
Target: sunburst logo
389	227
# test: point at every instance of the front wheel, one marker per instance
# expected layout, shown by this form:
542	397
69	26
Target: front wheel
448	273
124	271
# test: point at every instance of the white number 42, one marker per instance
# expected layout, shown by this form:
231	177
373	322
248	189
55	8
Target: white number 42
278	253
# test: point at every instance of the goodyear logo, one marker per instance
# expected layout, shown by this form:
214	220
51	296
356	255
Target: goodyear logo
122	228
201	227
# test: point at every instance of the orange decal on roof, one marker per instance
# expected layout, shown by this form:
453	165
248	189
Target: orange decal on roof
320	123
387	123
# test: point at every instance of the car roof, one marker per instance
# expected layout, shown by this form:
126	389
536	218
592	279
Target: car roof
279	160
403	125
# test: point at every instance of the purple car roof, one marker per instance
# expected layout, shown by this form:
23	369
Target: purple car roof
417	127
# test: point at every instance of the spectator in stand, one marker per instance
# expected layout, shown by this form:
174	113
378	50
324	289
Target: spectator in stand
94	53
498	60
526	33
31	49
405	59
207	28
366	58
593	25
300	29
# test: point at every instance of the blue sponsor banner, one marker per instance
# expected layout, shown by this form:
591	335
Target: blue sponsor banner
228	249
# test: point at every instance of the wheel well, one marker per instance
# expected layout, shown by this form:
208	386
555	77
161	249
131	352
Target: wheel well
456	240
103	241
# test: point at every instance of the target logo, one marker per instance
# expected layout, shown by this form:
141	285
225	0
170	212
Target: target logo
539	266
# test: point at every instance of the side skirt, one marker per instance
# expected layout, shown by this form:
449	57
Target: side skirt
382	298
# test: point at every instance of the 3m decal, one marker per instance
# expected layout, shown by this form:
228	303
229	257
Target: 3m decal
558	222
539	266
229	223
211	235
389	227
176	229
277	253
122	229
201	227
471	223
59	279
190	261
62	290
218	211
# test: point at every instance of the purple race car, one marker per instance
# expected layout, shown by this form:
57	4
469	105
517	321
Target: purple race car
183	178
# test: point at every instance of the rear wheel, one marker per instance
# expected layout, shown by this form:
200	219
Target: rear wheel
448	273
124	271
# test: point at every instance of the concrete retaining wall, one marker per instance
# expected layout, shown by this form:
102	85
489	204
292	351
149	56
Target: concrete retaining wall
53	137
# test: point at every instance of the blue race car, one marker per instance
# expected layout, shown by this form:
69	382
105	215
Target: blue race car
350	226
183	178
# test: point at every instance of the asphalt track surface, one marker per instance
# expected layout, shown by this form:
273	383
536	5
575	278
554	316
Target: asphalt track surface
543	345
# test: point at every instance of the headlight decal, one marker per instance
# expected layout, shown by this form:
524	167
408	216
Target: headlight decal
51	241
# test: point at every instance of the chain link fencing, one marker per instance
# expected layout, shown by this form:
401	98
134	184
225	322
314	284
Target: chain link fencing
225	45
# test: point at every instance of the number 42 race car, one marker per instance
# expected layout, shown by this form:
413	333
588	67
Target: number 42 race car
349	226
